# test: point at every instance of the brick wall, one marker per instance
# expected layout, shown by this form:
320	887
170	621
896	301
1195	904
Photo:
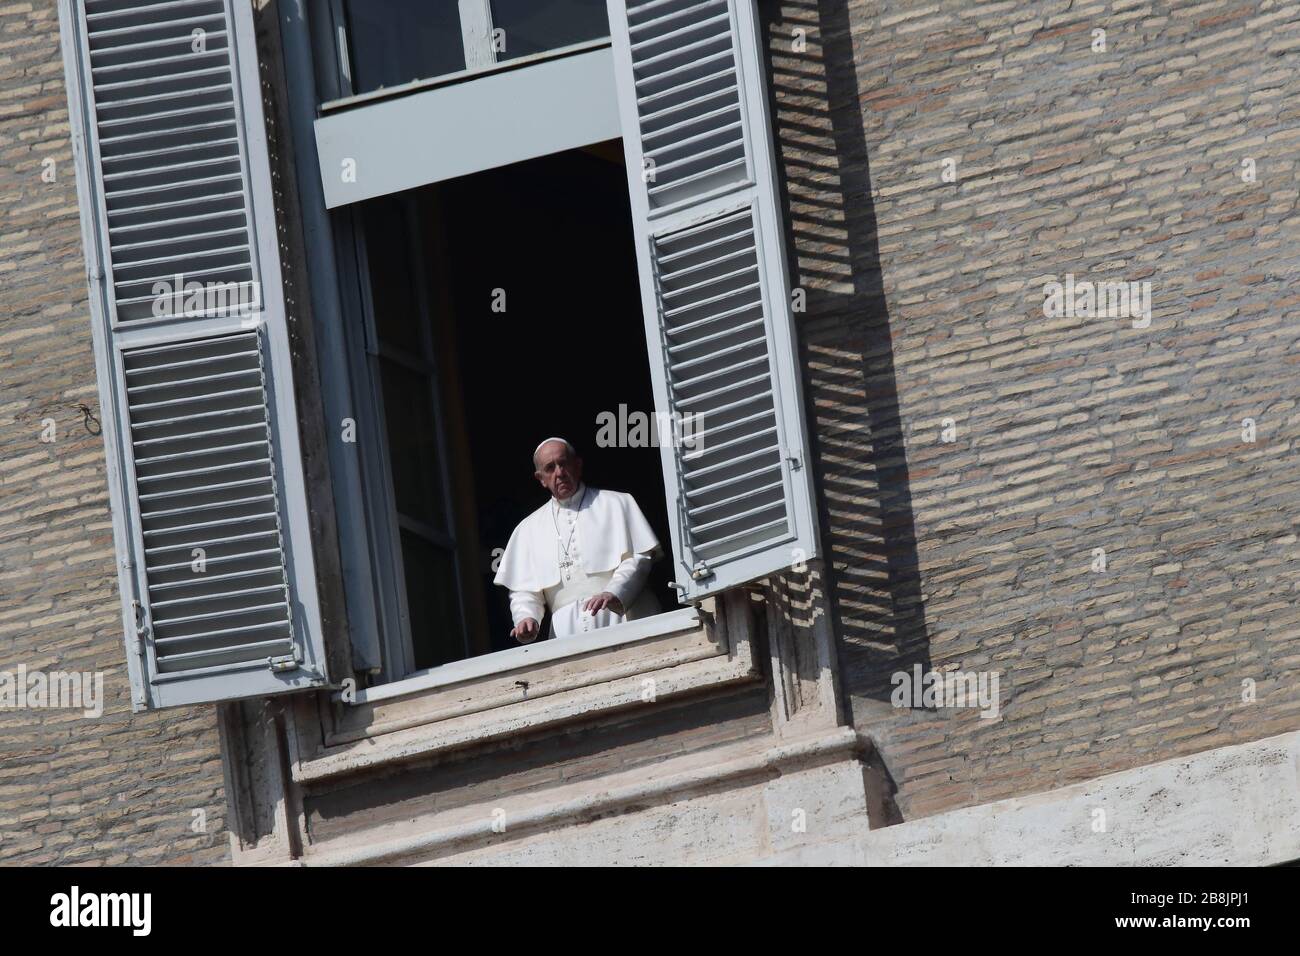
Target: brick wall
119	788
1071	434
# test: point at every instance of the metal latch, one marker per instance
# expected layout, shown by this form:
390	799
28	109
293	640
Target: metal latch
701	571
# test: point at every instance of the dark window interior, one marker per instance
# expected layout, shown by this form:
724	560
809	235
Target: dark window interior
555	235
533	26
391	42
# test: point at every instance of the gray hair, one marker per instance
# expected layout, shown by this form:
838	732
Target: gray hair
546	441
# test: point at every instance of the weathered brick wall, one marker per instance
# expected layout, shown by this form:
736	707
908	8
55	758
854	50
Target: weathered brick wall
1072	434
119	788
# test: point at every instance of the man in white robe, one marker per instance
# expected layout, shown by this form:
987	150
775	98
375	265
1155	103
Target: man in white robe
585	554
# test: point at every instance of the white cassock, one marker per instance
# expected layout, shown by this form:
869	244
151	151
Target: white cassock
568	551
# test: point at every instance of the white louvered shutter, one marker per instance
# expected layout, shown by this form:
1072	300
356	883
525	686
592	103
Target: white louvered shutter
714	289
205	478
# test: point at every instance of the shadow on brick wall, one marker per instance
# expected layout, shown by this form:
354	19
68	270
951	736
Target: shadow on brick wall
868	532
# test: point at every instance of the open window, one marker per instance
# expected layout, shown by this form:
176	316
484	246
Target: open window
607	177
483	337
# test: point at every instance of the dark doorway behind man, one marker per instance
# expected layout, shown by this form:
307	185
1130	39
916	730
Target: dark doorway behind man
549	241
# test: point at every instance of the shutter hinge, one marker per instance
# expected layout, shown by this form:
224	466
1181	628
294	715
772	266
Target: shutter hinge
141	626
281	664
795	462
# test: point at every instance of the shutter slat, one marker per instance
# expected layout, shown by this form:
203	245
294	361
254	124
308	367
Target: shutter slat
695	117
640	47
745	290
711	318
149	8
697	473
219	486
179	223
705	490
174	150
206	544
215	598
710	448
712	356
207	397
195	435
184	40
187	564
646	64
194	110
191	472
174	383
739	516
648	104
189	454
218	413
141	172
213	615
704	438
191	237
667	83
747	535
705	397
704	176
145	83
223	632
213	578
734	499
198	508
154	134
715	336
187	57
685	143
748	267
132	30
241	652
667	18
686	383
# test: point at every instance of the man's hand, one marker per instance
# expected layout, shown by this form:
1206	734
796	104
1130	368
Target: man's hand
602	601
525	631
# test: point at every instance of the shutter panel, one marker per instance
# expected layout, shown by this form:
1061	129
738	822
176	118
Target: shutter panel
209	513
714	290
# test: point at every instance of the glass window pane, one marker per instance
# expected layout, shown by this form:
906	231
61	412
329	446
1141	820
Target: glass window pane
412	443
532	26
436	633
392	291
395	41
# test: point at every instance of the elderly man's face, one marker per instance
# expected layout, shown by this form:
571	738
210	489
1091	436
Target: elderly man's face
558	470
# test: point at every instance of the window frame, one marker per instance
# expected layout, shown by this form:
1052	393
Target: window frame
423	691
